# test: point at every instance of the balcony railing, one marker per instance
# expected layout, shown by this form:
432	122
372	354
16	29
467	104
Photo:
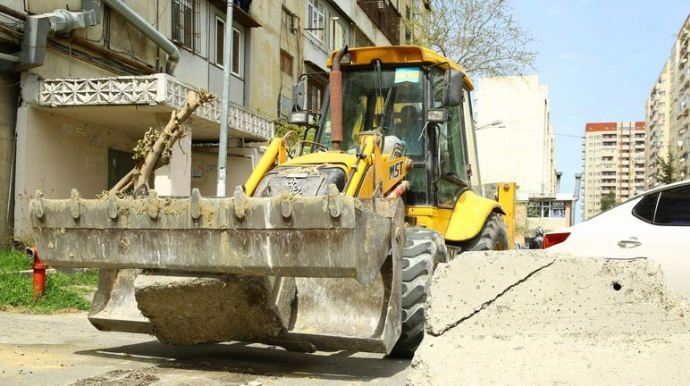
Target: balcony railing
148	90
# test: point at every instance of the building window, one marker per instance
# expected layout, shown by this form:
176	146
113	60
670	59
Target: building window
220	41
538	209
336	38
237	47
546	209
315	94
285	62
315	19
185	21
237	52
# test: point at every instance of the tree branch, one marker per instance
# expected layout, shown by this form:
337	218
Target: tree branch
155	150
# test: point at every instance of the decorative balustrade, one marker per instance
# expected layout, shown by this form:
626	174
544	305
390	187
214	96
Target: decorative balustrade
157	89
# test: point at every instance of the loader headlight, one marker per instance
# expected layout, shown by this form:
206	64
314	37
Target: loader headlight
437	115
298	117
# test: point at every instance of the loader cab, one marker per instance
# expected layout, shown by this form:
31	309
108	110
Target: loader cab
420	104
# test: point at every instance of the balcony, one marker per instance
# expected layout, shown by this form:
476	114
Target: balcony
135	103
385	17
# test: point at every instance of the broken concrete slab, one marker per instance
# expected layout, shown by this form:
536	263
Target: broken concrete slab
527	317
186	310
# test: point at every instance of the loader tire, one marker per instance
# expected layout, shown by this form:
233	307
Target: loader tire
492	237
424	249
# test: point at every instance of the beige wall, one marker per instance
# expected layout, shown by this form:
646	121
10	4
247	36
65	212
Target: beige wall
521	147
241	162
56	154
265	74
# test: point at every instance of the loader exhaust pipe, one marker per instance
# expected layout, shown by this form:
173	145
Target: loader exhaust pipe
336	96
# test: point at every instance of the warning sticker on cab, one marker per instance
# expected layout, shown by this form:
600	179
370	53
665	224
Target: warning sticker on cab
407	75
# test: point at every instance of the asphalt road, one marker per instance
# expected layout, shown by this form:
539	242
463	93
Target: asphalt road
65	349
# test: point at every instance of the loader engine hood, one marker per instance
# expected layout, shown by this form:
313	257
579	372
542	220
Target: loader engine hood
333	158
308	175
308	181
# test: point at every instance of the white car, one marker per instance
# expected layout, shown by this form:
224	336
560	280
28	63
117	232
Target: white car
653	225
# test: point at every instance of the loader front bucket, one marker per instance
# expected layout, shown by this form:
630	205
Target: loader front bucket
301	272
328	236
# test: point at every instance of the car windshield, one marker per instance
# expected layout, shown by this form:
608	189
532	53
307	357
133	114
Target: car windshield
389	99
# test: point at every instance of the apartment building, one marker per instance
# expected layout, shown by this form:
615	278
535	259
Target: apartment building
83	80
668	111
658	124
613	159
679	137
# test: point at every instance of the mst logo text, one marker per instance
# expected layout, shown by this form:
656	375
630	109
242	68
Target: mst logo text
395	170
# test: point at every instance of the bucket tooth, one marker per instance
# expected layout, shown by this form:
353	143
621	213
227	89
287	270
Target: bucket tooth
112	206
335	204
152	205
195	206
37	205
240	202
286	206
74	204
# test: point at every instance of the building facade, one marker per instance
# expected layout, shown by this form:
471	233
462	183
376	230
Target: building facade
668	112
613	161
514	128
85	80
516	140
658	124
679	137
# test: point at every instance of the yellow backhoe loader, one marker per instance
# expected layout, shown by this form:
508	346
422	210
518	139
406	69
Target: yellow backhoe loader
331	242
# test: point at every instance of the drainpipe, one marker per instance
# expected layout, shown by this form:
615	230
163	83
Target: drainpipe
336	96
225	110
147	30
576	196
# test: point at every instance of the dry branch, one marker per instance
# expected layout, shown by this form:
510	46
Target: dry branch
155	149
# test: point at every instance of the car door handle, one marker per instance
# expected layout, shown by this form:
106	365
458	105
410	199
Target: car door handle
629	243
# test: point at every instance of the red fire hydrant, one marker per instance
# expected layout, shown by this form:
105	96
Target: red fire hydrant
39	272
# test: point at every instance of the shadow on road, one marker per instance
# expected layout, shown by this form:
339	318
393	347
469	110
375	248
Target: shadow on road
258	360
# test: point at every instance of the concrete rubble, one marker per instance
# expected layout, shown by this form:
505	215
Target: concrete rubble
534	318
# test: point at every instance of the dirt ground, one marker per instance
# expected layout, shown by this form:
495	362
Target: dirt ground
66	350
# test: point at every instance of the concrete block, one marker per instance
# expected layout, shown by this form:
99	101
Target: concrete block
531	318
186	310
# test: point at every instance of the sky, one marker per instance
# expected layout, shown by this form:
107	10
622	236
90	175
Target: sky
600	60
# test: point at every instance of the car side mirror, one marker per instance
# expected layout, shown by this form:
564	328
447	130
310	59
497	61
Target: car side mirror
299	95
452	94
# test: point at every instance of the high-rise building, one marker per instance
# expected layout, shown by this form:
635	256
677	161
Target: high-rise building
613	162
668	114
658	123
679	137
